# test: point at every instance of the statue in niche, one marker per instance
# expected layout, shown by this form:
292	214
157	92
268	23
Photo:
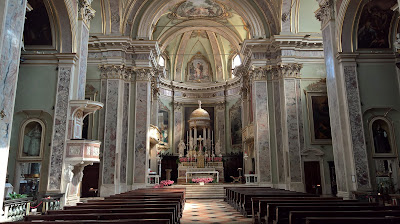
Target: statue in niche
181	147
381	140
32	139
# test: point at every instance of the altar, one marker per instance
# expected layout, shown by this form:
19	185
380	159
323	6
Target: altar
199	157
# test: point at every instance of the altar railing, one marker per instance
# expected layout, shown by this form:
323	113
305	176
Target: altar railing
17	209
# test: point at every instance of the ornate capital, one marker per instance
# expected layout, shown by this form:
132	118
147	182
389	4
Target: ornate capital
115	72
86	11
325	13
177	106
259	74
220	106
286	71
144	74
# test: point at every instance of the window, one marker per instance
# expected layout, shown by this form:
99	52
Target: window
161	61
236	61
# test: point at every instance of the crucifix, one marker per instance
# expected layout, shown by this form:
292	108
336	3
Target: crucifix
201	140
199	103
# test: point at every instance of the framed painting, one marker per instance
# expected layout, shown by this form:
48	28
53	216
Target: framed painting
319	120
199	8
199	69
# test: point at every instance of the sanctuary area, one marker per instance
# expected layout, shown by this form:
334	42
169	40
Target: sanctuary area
103	97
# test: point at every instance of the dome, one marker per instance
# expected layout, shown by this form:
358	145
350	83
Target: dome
200	114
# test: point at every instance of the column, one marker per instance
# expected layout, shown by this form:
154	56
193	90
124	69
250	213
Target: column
220	127
115	92
204	136
289	125
85	14
178	125
12	17
348	140
142	125
66	67
195	138
261	126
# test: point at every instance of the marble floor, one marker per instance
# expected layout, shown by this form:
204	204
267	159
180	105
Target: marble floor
211	211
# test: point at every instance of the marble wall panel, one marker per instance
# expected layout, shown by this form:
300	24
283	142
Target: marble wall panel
10	53
278	132
110	132
337	141
178	125
115	16
83	62
357	129
300	115
102	113
59	128
292	129
142	124
262	138
125	127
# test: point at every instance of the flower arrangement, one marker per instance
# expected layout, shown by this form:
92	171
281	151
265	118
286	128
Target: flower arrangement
167	182
205	180
218	159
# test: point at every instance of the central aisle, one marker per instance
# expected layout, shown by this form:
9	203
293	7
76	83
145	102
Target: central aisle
211	211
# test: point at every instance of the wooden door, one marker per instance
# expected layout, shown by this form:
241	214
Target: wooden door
312	176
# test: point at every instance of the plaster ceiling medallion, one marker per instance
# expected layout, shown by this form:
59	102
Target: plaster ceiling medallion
194	9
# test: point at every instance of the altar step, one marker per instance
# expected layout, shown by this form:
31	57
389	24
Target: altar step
204	192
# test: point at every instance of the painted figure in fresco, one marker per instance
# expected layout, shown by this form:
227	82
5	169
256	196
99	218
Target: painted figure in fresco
199	71
32	141
381	141
181	148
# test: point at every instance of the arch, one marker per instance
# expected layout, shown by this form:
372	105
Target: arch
390	134
159	7
64	26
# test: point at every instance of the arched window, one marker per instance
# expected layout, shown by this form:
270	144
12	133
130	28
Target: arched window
236	61
161	61
31	140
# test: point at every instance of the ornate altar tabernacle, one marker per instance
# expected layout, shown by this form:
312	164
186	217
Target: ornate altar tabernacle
199	160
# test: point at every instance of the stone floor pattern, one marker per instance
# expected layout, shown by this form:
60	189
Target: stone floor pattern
211	211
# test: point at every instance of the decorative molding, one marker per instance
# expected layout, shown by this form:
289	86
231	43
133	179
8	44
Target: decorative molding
319	86
325	13
313	152
116	72
144	74
86	12
286	71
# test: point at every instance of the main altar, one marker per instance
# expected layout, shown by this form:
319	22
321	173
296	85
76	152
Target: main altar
199	157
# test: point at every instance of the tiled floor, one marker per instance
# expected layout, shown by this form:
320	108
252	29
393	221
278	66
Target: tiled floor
211	211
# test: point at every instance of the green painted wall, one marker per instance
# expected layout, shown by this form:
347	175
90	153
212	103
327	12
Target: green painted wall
307	21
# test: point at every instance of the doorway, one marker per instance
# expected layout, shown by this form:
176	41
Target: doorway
90	181
312	176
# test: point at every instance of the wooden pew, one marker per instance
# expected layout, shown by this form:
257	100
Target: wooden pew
299	217
122	221
261	208
104	216
283	212
353	220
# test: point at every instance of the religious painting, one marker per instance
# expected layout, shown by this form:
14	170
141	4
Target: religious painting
199	8
381	132
318	111
163	126
37	30
31	140
374	24
199	69
235	115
